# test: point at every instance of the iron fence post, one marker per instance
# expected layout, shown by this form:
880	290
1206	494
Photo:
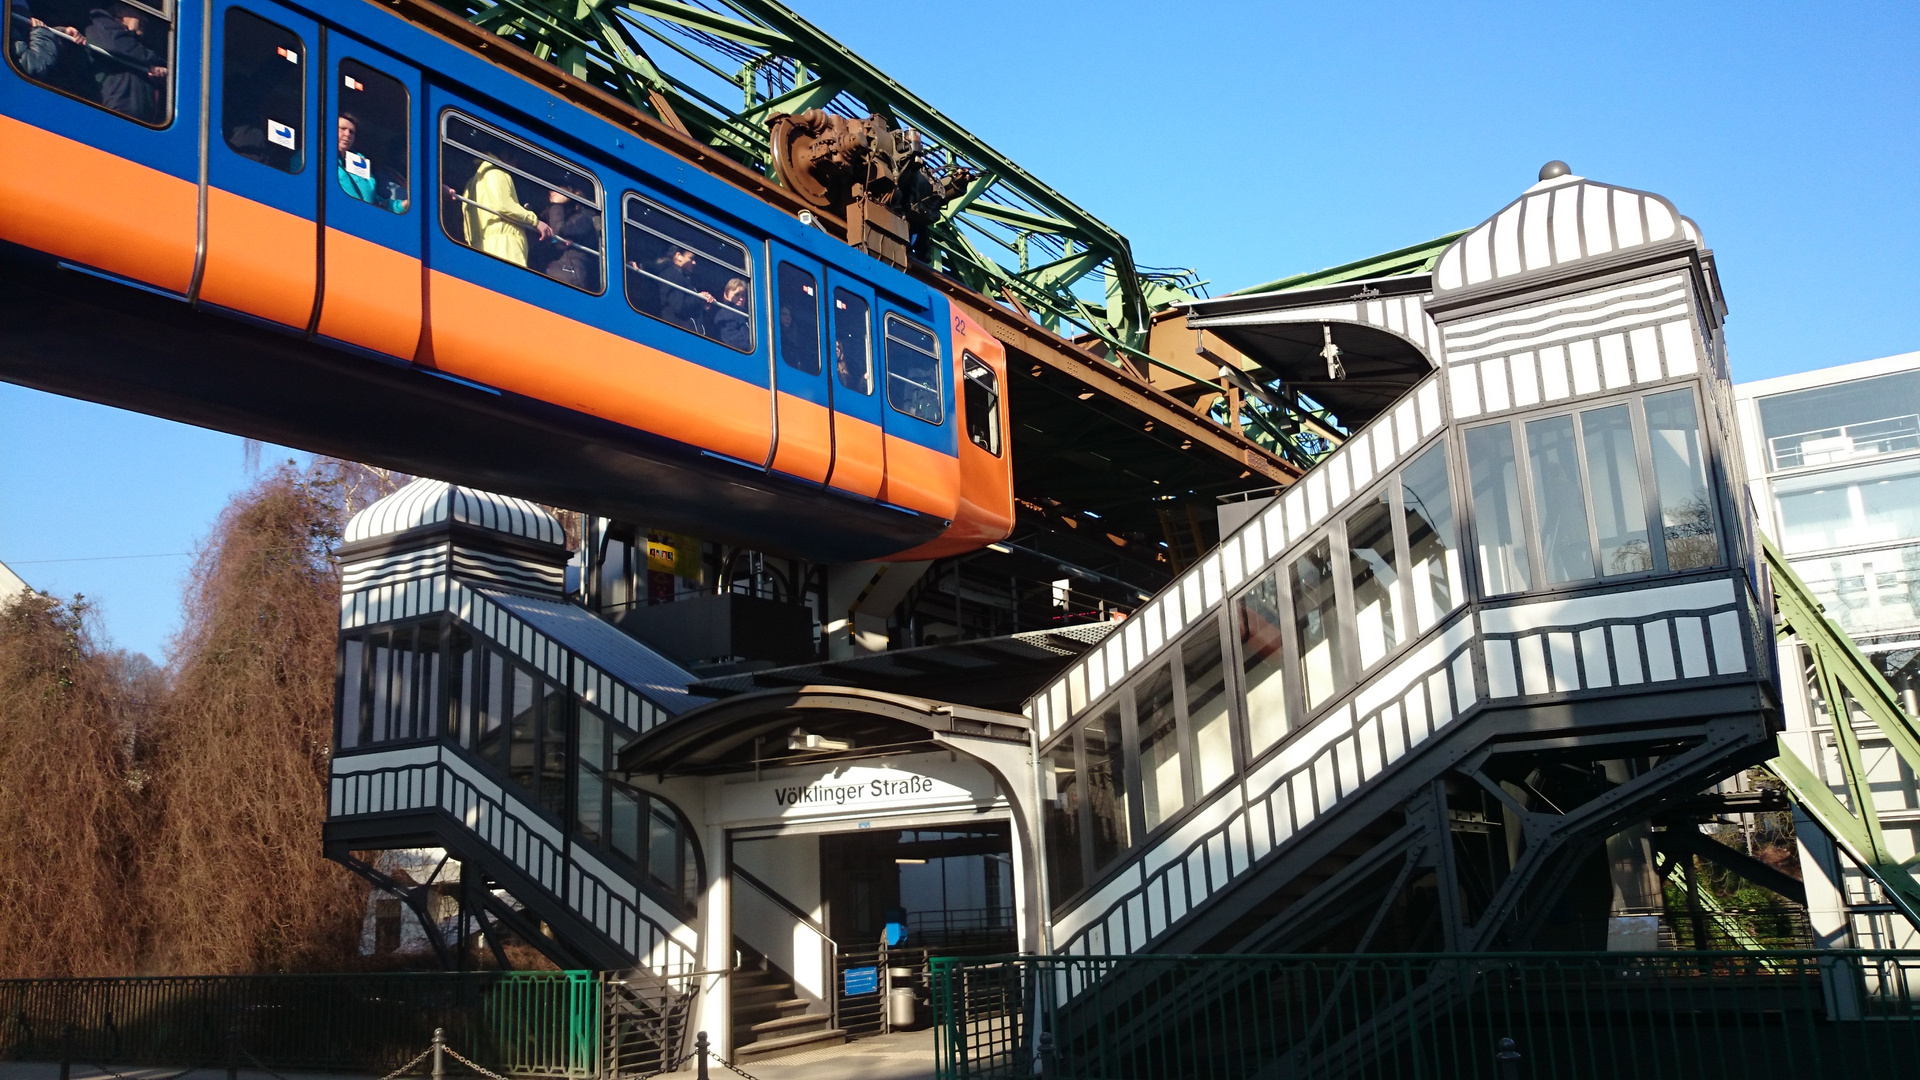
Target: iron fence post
66	1051
233	1052
1508	1060
440	1053
1046	1055
700	1055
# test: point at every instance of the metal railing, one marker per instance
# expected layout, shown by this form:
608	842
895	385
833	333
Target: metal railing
532	1023
1569	1016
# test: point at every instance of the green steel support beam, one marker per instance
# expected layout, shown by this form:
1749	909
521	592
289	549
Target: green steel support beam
766	58
1846	680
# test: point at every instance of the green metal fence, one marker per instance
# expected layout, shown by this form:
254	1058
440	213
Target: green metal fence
1608	1016
539	1023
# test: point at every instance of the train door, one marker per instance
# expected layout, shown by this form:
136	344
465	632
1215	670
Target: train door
262	163
914	380
370	239
102	143
803	391
860	452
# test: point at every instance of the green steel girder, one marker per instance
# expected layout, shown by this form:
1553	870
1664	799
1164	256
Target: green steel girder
685	57
1846	680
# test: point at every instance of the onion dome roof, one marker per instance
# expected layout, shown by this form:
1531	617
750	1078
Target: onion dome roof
1560	220
430	502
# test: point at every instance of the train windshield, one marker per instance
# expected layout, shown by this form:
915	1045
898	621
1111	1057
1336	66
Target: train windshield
913	370
688	275
983	405
118	56
520	204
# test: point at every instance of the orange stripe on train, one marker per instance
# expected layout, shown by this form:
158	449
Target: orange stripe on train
495	339
859	456
922	479
372	296
96	208
805	444
260	260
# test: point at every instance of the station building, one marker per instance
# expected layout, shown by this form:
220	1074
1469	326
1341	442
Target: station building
1432	696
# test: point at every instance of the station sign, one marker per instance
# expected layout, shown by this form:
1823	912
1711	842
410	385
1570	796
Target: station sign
904	785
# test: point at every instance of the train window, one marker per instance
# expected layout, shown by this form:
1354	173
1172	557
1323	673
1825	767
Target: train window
118	56
689	275
374	136
913	370
852	342
504	198
983	404
263	99
799	319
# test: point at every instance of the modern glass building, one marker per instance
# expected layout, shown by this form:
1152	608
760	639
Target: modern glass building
1833	460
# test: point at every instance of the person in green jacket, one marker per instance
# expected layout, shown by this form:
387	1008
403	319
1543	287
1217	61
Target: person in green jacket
356	176
495	221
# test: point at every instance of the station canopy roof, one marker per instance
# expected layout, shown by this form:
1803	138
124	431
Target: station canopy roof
1283	326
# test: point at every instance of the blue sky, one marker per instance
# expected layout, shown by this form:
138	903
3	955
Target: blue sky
1252	140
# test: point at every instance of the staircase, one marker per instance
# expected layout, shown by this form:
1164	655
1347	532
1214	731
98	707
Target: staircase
1411	703
769	1018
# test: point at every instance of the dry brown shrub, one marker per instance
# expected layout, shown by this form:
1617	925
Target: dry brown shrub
68	800
235	880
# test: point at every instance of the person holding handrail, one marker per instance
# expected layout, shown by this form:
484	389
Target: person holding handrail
494	220
133	87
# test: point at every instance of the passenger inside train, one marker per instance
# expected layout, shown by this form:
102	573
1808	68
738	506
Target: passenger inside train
373	165
117	56
492	183
681	273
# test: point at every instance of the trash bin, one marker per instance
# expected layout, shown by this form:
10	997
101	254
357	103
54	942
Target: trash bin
901	1003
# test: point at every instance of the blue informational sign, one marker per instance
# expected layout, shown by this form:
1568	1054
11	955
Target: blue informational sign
860	981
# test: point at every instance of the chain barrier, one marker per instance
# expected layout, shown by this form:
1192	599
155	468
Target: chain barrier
417	1059
475	1066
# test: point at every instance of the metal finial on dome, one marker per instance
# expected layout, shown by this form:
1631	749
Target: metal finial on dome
1554	168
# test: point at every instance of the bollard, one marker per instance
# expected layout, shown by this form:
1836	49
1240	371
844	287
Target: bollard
1508	1060
439	1054
1046	1055
700	1054
233	1052
66	1052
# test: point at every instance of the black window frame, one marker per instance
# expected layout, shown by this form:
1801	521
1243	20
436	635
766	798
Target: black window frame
992	439
302	152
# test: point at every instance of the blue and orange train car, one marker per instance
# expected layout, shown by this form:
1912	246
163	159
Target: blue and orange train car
335	228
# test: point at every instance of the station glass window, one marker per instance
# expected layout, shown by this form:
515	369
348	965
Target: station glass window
983	404
852	341
263	94
1495	479
390	685
1560	507
1210	730
1316	624
1619	506
1066	870
503	197
373	134
1372	563
799	319
1680	476
117	56
1163	791
1829	425
653	836
682	272
1263	660
1433	558
1106	787
913	370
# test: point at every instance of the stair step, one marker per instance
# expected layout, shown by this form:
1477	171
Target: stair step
790	1024
762	992
789	1044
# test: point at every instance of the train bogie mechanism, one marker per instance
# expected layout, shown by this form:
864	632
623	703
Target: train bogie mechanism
881	179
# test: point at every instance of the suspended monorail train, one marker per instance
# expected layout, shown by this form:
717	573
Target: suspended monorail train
338	229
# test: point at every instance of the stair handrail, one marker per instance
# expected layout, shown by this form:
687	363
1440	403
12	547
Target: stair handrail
1843	672
831	957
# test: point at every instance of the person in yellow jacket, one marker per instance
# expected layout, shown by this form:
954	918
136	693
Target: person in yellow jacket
495	221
